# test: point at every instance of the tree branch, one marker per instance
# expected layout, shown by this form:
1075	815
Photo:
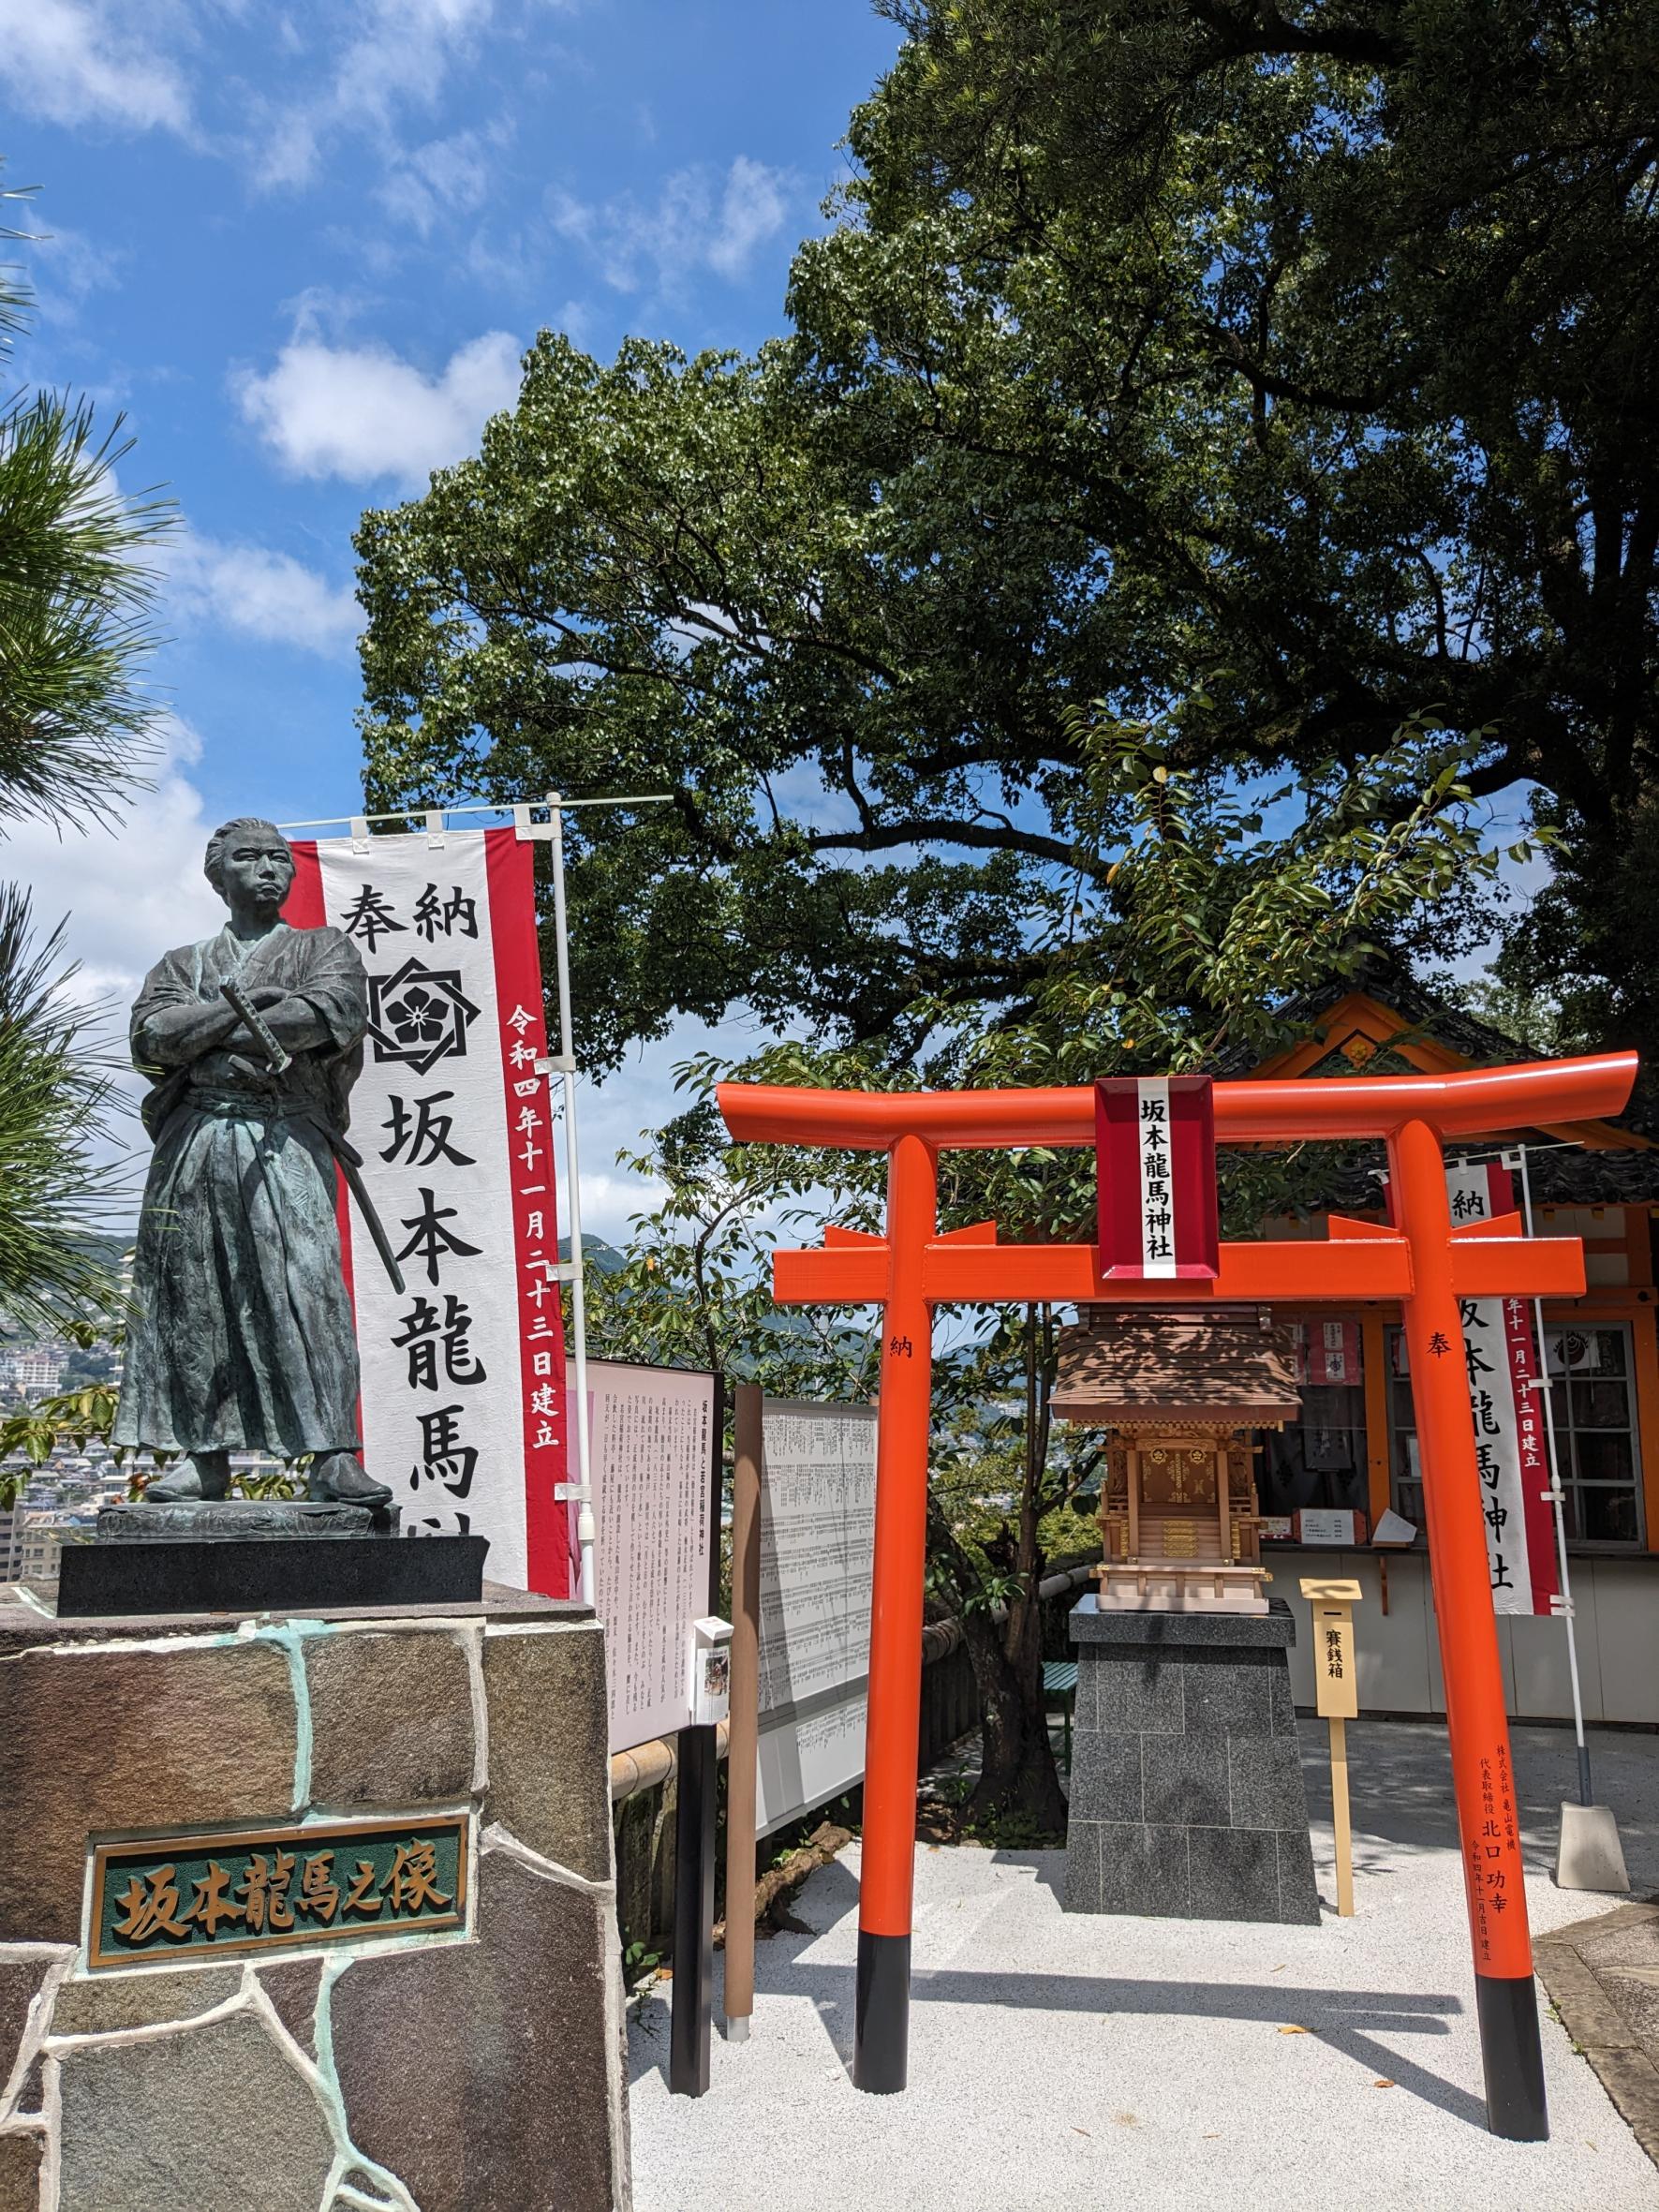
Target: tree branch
990	836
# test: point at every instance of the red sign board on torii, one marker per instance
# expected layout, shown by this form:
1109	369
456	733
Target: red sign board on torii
1155	1154
1421	1259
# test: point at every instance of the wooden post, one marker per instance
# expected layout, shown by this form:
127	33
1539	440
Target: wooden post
1223	1505
1339	1806
744	1734
1336	1690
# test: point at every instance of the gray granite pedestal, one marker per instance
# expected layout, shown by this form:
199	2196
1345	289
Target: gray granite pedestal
1187	1797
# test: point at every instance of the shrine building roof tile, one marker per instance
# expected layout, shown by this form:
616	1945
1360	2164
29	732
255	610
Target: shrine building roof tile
1121	1366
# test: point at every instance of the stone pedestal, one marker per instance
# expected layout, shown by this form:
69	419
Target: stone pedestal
475	2068
262	1555
1187	1796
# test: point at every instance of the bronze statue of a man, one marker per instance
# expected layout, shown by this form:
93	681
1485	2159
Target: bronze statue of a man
241	1335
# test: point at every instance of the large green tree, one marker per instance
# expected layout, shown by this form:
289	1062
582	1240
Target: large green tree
663	575
1287	370
1340	325
1211	896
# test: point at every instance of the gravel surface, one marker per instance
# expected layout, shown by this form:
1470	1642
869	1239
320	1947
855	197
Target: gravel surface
1057	2061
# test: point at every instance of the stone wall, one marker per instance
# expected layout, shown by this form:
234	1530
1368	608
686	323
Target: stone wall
480	2072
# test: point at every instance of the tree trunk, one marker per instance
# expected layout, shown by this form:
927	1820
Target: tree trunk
1017	1773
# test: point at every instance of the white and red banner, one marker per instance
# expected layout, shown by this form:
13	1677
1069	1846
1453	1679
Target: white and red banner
464	1372
1155	1163
1509	1419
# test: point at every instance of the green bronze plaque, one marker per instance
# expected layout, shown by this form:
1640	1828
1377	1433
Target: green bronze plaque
276	1889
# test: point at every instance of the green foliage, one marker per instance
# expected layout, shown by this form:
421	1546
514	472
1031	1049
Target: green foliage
73	1417
678	577
1336	332
995	1828
640	1961
87	1364
55	1106
1284	385
272	1482
694	1287
76	600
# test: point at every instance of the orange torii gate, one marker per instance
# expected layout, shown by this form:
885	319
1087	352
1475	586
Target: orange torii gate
1422	1261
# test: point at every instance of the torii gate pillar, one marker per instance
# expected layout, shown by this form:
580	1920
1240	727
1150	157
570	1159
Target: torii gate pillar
1423	1262
883	2004
1478	1725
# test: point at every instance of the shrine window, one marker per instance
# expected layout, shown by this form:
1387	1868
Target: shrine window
1321	1459
1592	1404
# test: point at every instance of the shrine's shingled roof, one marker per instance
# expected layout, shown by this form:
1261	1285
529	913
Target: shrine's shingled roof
1562	1174
1124	1365
1422	1012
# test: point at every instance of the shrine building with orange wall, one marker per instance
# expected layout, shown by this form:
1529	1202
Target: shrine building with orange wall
1353	1447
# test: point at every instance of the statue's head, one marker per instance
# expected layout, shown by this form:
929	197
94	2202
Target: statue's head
250	864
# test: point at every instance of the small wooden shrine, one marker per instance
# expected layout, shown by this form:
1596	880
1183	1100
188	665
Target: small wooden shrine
1178	1392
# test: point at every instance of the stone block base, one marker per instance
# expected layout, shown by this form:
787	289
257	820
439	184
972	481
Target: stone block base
1187	1798
470	2072
1590	1855
273	1571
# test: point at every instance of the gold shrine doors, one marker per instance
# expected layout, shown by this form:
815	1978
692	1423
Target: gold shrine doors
1178	1477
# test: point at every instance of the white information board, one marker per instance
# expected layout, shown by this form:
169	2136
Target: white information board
652	1432
818	1513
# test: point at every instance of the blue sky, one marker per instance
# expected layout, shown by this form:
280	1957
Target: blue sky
302	248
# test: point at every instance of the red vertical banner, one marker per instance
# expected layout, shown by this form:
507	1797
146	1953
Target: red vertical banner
1155	1165
522	1030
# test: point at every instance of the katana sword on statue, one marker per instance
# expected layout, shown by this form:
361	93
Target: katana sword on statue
348	1158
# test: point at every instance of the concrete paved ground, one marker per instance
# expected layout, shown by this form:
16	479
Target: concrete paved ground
1058	2061
1603	1978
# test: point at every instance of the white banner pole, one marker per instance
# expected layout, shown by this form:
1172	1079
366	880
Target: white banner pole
566	1065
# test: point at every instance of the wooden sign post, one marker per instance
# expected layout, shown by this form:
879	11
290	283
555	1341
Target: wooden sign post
1335	1688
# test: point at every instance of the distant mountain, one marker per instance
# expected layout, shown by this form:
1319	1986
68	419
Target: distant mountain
596	1252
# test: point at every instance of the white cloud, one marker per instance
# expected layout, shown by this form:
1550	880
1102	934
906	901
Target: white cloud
445	176
321	74
360	413
66	267
752	209
690	226
261	593
130	892
398	57
610	1204
72	62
